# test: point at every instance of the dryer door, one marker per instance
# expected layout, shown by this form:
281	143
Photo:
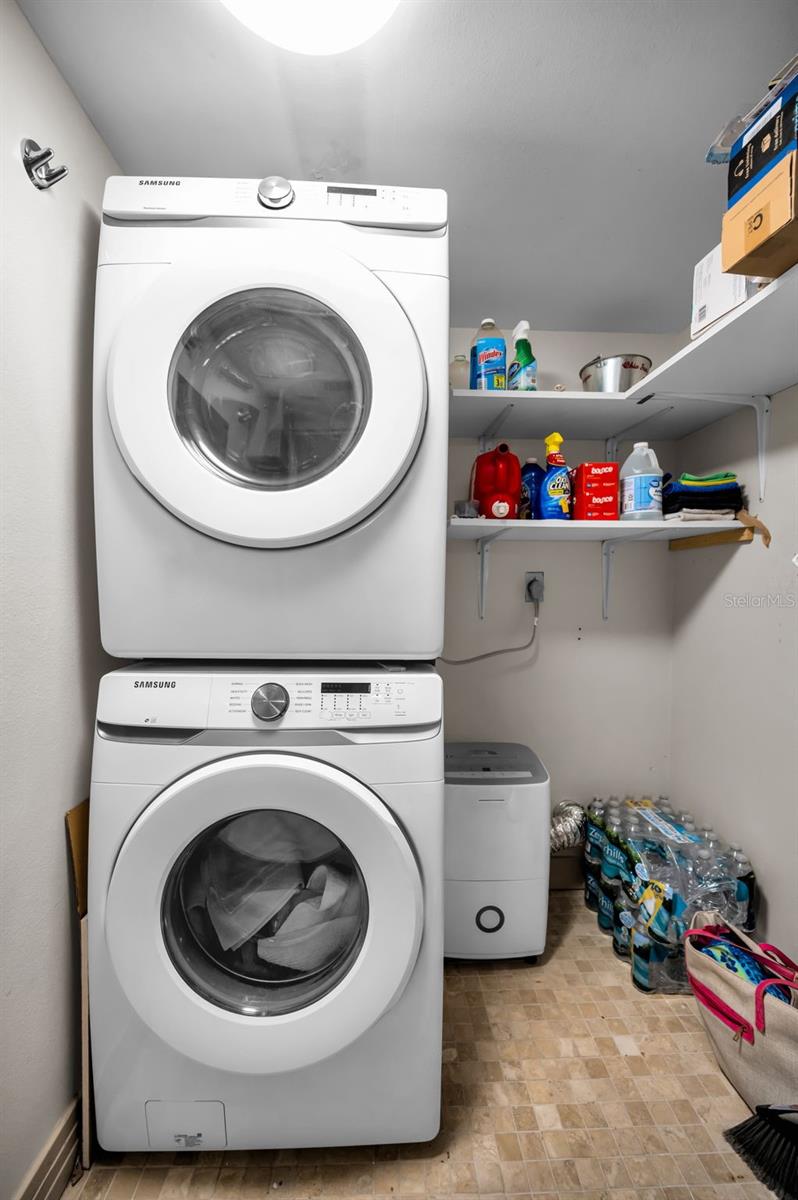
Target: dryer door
274	402
263	912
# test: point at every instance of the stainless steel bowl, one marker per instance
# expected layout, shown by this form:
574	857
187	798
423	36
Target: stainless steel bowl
615	374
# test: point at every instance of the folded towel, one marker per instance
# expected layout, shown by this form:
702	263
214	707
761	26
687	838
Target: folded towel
718	477
701	514
677	487
731	497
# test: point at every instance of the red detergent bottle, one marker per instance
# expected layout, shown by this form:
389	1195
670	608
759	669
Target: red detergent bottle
496	483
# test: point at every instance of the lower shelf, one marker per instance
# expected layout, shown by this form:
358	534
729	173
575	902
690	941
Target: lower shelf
609	533
466	529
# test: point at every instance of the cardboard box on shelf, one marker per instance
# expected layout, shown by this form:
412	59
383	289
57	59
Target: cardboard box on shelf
767	140
760	233
760	225
714	293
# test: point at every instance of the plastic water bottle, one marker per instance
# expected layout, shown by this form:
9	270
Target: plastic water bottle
594	850
610	876
641	485
623	921
747	893
715	887
642	950
668	972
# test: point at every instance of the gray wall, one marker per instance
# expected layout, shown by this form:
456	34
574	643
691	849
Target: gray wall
50	646
735	667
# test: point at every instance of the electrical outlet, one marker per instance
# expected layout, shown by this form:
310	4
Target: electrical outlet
533	586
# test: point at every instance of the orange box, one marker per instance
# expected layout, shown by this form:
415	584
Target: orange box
760	232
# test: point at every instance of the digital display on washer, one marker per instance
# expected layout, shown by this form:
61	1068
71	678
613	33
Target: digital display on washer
351	191
336	689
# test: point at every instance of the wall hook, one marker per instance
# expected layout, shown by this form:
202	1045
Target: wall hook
35	161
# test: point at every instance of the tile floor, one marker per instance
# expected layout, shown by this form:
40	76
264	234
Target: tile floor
561	1081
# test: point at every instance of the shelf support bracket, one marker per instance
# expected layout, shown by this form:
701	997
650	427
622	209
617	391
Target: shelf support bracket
611	449
491	431
761	406
608	549
483	550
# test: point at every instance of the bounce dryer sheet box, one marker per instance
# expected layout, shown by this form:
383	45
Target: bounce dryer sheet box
595	492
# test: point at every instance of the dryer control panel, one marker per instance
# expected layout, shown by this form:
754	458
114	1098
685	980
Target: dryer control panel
264	697
162	198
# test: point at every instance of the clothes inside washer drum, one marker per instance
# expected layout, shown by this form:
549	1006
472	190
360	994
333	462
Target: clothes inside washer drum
277	836
238	914
320	923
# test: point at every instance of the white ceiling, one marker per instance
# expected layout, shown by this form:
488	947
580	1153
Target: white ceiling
569	134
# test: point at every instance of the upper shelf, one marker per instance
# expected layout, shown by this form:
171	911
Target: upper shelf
752	352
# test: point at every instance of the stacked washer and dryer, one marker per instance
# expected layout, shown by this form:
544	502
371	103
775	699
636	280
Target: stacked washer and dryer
266	836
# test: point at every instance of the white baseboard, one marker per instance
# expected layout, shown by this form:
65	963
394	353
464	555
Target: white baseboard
52	1170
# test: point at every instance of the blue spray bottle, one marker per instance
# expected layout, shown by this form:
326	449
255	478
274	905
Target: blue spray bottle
555	493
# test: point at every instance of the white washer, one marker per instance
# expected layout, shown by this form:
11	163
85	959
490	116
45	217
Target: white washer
270	420
265	907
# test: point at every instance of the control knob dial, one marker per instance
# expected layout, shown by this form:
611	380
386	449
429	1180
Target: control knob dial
270	701
275	192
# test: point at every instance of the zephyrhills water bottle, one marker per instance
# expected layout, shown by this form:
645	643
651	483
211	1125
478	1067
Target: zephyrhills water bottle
714	886
594	849
612	860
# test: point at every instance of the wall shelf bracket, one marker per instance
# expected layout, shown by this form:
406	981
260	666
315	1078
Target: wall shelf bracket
608	549
483	550
761	406
491	431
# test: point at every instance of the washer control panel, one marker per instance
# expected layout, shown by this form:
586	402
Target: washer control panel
270	697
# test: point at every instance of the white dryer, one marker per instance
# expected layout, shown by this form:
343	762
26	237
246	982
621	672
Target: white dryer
270	419
265	904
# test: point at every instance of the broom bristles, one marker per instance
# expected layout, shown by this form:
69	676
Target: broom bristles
768	1143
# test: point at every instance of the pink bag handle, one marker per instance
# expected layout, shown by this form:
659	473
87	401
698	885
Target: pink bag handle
780	955
723	1011
778	968
759	999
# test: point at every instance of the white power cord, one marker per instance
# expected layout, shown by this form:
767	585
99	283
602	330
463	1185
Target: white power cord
459	662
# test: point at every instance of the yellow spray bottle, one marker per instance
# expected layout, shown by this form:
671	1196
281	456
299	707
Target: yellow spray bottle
555	491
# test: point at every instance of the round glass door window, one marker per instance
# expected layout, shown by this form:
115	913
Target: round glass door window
269	388
264	912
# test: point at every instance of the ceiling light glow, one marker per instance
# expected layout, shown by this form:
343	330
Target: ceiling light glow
313	26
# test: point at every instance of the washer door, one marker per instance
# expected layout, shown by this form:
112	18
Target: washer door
263	912
273	403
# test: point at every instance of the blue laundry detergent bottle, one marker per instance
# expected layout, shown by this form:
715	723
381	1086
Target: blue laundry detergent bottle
532	476
488	358
555	492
